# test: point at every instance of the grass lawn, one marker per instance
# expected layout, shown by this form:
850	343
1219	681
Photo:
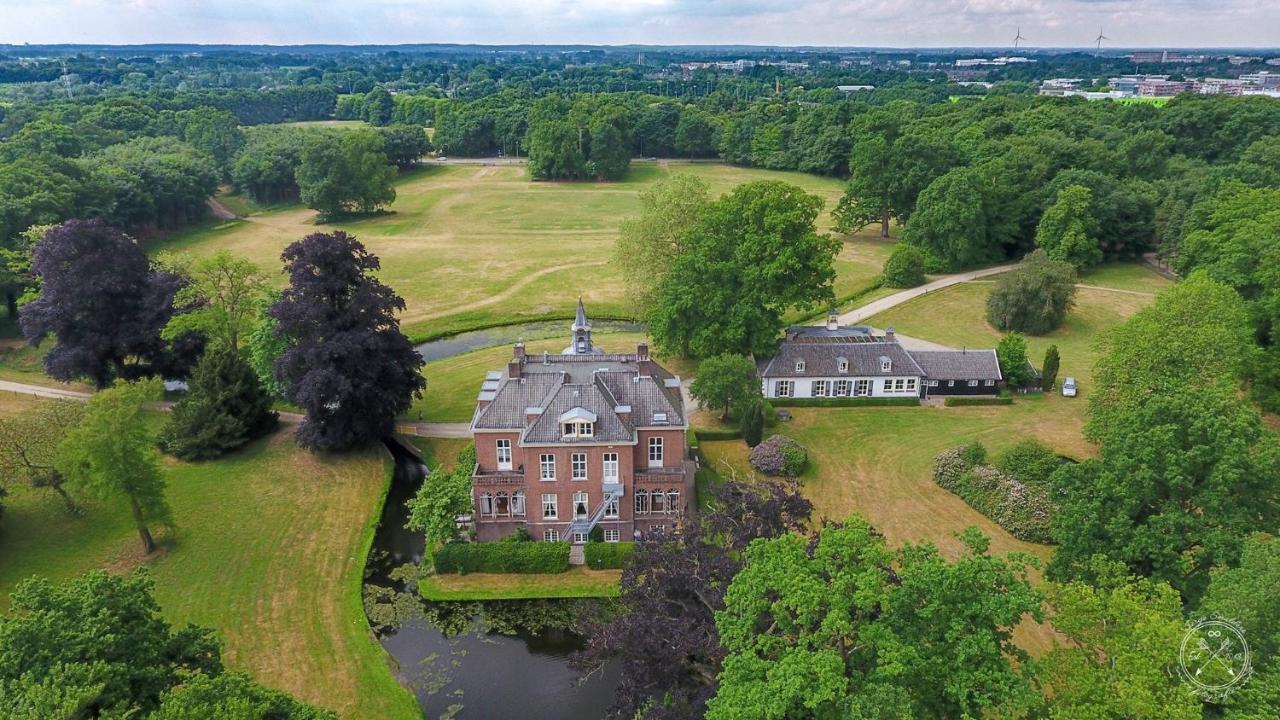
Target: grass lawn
1125	276
577	582
468	245
268	549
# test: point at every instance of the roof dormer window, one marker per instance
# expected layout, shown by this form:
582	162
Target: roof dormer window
799	366
842	365
581	429
886	365
578	423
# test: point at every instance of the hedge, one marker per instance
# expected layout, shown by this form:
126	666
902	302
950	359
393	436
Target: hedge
960	401
513	557
846	402
718	434
1022	505
606	555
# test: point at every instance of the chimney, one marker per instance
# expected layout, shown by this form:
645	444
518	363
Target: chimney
519	351
513	369
889	337
833	321
546	358
643	362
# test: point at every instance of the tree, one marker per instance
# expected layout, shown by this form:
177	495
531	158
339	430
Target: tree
951	220
1068	231
220	294
346	176
1049	371
1182	478
754	254
233	696
99	646
378	106
1033	298
905	267
1011	352
112	452
1245	594
444	496
649	242
1123	638
29	445
266	345
224	408
727	382
106	631
840	626
753	423
216	133
104	304
680	580
405	144
555	152
695	133
610	144
346	362
1197	334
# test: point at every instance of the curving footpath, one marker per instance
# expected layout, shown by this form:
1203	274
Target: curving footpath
857	315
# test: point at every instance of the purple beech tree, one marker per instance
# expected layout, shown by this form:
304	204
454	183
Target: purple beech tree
345	361
676	581
105	305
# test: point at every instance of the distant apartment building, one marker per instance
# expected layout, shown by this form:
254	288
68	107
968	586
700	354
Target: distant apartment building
1165	56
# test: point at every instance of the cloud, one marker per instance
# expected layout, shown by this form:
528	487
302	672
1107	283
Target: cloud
901	23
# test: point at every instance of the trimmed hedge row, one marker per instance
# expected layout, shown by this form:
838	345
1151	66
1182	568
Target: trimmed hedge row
846	402
960	401
502	557
606	555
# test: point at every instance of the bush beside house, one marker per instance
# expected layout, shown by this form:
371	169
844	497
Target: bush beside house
608	556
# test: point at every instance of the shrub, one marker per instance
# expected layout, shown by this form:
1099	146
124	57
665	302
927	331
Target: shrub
905	267
961	401
1049	371
224	408
779	455
602	555
502	557
1020	504
753	424
847	402
596	534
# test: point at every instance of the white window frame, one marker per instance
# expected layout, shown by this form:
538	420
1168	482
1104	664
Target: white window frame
911	385
610	466
989	383
550	535
486	505
844	388
799	366
842	365
581	498
861	388
550	501
886	365
658	496
579	538
578	462
642	503
973	383
655	451
783	388
933	383
503	452
673	501
951	383
611	508
586	430
547	467
819	388
517	503
612	536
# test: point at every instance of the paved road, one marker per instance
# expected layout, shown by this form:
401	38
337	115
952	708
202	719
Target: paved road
857	315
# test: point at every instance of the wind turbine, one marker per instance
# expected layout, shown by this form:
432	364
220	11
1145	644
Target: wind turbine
1100	38
1018	39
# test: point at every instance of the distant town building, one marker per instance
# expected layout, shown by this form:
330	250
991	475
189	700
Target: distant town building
854	88
1165	56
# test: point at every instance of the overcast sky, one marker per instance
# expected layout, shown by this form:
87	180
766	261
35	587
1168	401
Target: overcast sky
899	23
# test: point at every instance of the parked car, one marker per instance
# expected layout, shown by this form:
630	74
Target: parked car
1069	387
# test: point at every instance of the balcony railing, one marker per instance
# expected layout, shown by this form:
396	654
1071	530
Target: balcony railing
497	477
664	474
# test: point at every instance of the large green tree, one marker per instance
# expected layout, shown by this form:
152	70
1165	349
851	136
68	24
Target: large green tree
444	496
727	382
1033	298
842	626
754	254
112	452
1068	231
1182	477
346	173
649	242
225	407
218	298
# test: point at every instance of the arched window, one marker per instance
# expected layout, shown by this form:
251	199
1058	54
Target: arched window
658	502
517	504
673	501
501	505
642	502
486	504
